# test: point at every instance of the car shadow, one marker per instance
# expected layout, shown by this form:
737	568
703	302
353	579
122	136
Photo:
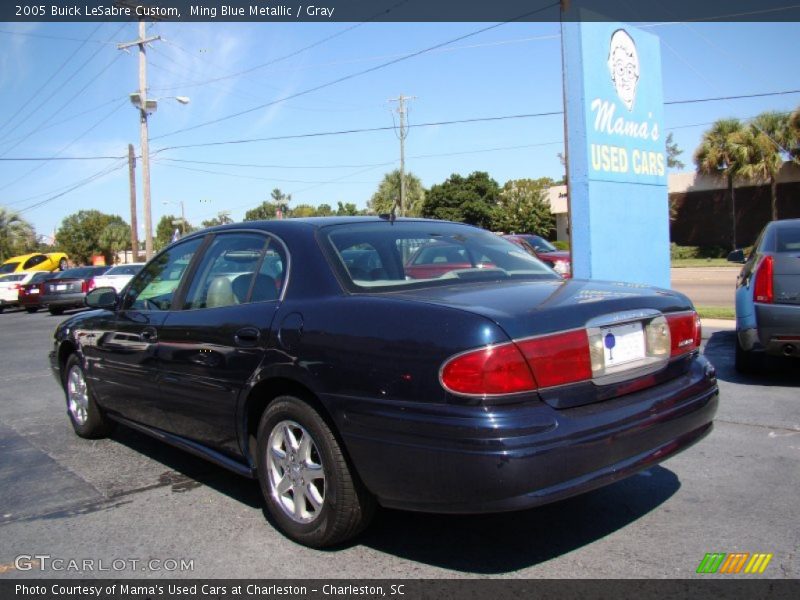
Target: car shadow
186	471
507	542
720	350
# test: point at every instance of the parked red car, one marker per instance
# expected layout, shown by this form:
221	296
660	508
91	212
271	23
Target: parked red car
558	260
31	292
436	259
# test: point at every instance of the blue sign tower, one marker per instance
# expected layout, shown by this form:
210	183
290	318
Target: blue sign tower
619	215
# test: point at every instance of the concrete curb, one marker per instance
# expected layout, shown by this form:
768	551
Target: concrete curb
718	323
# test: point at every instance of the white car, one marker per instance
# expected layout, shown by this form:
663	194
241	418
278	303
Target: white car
9	287
118	277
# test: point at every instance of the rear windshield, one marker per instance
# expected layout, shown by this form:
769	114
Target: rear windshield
788	239
388	256
8	267
78	273
41	276
124	270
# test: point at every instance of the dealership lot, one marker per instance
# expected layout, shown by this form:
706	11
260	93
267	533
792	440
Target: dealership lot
132	499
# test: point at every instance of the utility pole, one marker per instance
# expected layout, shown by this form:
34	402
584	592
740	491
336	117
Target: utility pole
402	134
134	222
140	101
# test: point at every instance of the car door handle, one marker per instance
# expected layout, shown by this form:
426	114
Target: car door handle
247	337
148	334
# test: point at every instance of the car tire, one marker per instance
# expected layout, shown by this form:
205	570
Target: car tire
298	451
62	264
86	416
746	361
31	309
56	311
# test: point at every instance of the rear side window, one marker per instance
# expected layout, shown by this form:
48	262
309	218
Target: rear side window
34	260
788	239
237	268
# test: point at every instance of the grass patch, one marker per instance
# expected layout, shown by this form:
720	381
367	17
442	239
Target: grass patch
678	263
716	312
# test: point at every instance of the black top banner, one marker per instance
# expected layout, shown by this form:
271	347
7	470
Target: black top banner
401	10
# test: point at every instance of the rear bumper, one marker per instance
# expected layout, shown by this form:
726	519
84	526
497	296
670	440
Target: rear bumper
62	300
776	326
492	459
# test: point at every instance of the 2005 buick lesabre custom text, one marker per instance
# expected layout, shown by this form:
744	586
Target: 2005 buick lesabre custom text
313	355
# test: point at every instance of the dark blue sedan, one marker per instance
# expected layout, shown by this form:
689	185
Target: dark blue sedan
302	353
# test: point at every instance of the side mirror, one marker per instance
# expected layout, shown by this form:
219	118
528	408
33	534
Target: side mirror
737	256
102	297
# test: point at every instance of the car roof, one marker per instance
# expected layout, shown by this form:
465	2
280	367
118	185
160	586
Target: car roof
785	224
315	222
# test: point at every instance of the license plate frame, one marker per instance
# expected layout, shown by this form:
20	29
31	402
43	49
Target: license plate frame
623	345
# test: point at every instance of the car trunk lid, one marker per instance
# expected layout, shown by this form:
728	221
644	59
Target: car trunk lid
64	286
786	278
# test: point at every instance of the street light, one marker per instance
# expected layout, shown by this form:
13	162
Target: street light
146	106
183	216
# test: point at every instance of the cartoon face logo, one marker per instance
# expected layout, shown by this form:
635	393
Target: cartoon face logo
623	64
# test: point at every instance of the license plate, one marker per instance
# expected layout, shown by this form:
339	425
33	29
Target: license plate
61	287
623	344
34	291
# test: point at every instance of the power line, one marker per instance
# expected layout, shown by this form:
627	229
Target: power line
86	132
739	97
186	85
357	74
27	102
239	176
54	37
70	99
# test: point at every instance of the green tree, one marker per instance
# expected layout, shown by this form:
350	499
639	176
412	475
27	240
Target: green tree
304	210
115	238
165	230
222	218
325	210
769	140
80	233
266	211
472	199
388	193
723	151
347	210
282	201
794	129
673	152
16	234
523	207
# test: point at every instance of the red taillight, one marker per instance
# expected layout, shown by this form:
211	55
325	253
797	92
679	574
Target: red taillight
492	370
762	289
685	332
87	285
520	367
558	359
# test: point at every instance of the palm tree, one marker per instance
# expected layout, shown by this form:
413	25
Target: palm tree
769	143
794	131
15	233
722	151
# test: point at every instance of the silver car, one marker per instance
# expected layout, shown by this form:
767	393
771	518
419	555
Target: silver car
768	296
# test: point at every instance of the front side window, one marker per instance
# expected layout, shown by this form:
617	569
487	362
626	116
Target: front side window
9	267
155	285
386	256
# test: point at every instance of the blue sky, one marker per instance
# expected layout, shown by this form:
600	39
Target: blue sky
83	111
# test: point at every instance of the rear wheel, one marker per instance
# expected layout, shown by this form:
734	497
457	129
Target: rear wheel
56	311
310	490
746	361
86	417
31	309
62	264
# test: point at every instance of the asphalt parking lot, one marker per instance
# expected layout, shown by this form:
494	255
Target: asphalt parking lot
131	498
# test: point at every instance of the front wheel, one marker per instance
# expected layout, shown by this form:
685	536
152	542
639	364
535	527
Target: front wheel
86	417
62	264
310	490
31	309
56	311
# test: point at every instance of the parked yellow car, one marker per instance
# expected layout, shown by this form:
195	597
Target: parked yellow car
52	261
